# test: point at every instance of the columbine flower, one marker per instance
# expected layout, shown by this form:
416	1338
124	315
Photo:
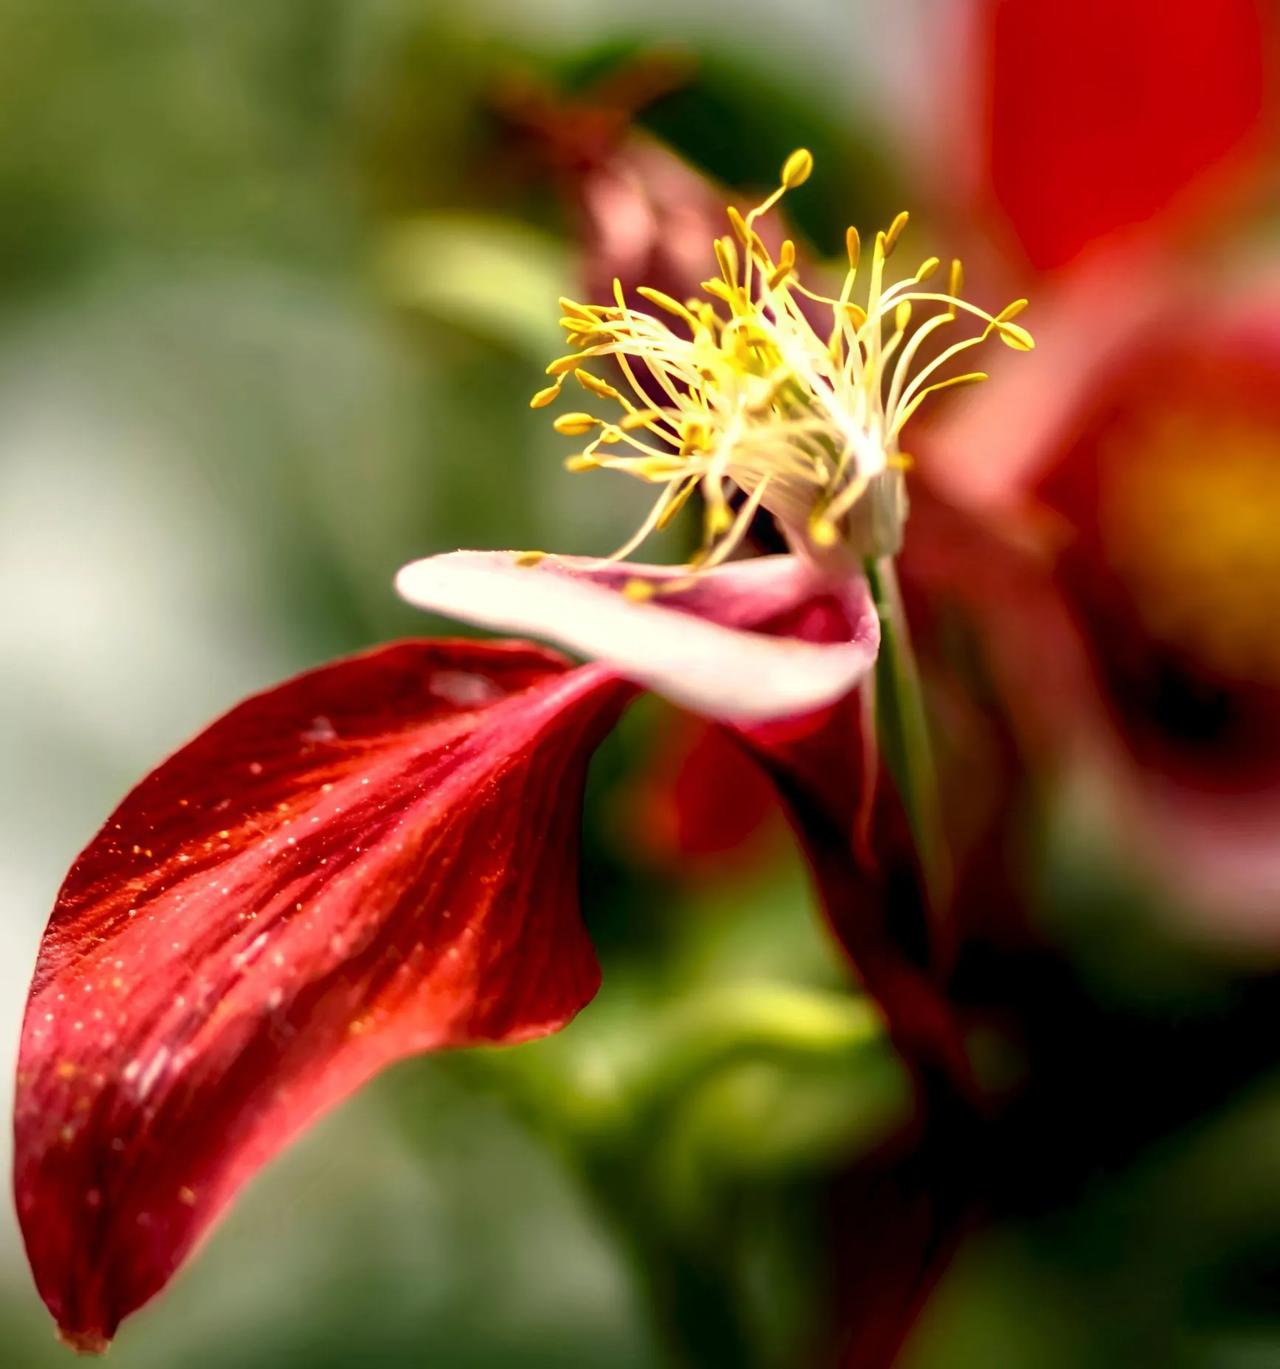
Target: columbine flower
379	857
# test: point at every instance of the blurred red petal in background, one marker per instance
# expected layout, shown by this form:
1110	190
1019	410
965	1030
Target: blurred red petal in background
700	806
640	212
1169	498
1103	116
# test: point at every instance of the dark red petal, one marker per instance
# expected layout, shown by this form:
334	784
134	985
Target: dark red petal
896	1219
374	859
855	836
1104	116
867	876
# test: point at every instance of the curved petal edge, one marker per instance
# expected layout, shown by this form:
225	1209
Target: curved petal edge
374	859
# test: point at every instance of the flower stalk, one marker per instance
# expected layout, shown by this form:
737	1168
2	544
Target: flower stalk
902	731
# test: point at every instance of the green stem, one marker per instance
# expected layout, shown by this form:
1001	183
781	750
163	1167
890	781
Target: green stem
903	732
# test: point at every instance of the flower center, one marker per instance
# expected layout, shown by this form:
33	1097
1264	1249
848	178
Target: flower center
740	390
1189	509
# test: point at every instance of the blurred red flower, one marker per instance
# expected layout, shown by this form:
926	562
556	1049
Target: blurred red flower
1140	448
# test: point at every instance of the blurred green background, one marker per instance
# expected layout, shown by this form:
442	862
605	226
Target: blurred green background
273	294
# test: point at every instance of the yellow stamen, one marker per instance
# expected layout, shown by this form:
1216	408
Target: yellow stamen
574	425
727	260
734	394
895	232
600	388
797	168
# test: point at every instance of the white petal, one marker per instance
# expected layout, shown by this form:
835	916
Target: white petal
695	645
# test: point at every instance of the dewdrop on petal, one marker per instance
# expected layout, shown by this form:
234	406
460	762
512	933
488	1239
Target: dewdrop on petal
739	397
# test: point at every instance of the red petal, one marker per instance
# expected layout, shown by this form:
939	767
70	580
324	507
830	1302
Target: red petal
896	1220
1105	115
374	859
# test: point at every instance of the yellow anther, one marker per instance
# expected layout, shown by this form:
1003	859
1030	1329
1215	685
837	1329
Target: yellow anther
727	259
693	438
823	531
902	315
740	227
588	313
719	518
544	397
563	365
927	268
575	424
526	558
664	301
582	461
956	282
601	388
797	168
638	591
895	232
969	378
641	418
1015	336
853	246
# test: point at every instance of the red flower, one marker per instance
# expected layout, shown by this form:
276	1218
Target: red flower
379	858
1104	119
1132	450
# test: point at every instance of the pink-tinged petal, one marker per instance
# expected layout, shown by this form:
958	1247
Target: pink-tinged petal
1107	117
374	859
693	644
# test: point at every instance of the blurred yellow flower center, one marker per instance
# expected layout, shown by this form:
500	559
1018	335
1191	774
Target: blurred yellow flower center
739	390
1189	513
